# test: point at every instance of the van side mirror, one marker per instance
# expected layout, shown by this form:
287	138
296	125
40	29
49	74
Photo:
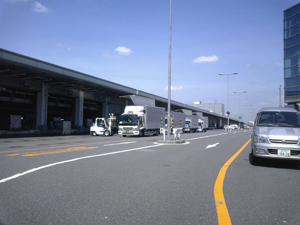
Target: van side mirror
251	124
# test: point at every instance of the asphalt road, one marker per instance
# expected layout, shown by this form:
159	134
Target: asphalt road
134	180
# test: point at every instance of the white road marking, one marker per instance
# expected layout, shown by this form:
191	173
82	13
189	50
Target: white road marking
122	143
72	160
212	146
92	156
206	136
171	143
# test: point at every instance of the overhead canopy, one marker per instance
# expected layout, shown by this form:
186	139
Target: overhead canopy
139	100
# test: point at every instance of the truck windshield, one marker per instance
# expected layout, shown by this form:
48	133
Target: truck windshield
278	119
128	120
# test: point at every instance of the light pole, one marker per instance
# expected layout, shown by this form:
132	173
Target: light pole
248	112
169	74
239	92
222	74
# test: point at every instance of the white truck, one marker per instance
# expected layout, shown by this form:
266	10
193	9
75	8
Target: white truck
177	121
191	121
202	124
141	120
104	126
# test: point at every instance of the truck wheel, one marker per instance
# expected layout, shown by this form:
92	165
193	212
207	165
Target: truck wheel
94	133
124	135
106	133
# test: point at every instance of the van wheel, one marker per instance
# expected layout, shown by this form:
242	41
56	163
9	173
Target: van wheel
254	159
298	164
94	133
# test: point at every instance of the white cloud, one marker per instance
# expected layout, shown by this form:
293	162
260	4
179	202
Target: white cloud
63	46
38	7
110	56
123	50
278	63
248	65
263	103
202	59
175	88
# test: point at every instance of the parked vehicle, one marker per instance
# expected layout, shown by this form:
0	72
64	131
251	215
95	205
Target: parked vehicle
141	120
104	126
276	135
177	121
191	121
234	126
202	122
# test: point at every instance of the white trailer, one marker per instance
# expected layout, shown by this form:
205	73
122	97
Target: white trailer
177	121
202	124
191	121
205	123
104	126
141	120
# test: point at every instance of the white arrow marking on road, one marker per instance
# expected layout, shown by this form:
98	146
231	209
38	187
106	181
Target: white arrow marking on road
211	146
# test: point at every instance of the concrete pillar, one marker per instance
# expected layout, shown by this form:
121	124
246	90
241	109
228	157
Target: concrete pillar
42	109
79	111
105	107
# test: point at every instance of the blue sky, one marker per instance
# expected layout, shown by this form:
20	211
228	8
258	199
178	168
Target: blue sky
127	42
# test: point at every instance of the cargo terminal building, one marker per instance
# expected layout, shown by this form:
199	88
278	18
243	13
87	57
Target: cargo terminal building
36	95
292	56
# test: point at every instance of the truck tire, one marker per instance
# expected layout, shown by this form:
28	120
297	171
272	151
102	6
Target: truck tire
106	133
141	134
124	135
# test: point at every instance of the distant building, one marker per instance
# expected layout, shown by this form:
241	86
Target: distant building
217	108
291	35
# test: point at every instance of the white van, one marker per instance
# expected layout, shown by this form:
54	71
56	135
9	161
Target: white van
276	135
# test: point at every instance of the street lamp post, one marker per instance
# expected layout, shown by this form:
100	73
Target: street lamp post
222	74
239	92
169	74
248	111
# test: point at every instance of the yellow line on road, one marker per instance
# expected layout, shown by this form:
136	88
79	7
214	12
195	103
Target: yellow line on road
54	147
53	152
222	211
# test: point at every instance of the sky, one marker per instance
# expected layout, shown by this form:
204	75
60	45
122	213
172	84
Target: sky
127	42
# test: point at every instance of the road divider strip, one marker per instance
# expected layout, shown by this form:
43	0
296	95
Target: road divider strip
222	211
